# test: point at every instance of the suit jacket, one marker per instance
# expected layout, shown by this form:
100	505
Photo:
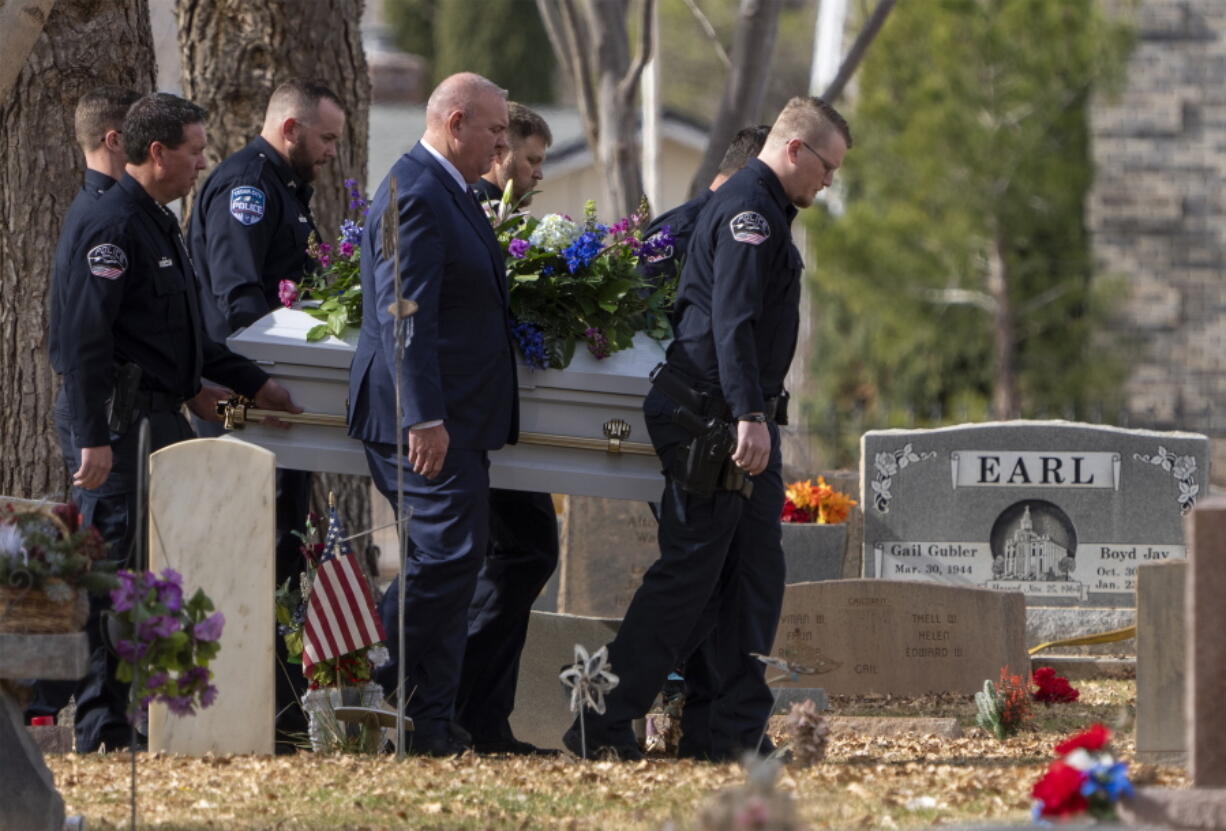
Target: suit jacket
458	366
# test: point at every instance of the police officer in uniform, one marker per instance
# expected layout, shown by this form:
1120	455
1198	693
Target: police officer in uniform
523	550
721	554
129	345
97	123
248	232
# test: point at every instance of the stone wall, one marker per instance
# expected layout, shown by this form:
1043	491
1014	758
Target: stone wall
1158	212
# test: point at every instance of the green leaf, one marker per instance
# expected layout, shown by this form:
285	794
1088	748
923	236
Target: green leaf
317	333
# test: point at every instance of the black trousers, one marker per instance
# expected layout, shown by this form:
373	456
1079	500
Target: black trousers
721	565
522	555
102	701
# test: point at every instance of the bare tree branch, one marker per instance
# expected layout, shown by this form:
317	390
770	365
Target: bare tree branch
752	47
630	83
863	40
572	48
707	29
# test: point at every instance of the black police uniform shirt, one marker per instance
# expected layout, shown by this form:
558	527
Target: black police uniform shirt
738	303
666	262
487	191
96	183
248	232
131	297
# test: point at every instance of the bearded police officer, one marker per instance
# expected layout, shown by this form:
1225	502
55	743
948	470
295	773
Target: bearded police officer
710	414
130	345
249	232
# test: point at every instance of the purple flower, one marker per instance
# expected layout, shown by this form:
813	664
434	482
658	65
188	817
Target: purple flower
170	595
125	597
179	705
169	575
159	626
351	232
130	651
597	343
518	248
287	292
356	202
210	628
208	696
659	243
346	249
193	679
156	680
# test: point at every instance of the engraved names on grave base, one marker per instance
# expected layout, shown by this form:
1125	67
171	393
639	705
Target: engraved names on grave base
902	638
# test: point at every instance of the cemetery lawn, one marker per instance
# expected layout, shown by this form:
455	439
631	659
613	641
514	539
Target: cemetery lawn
865	782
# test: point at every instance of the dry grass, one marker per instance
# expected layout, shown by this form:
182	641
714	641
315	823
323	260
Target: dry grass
864	783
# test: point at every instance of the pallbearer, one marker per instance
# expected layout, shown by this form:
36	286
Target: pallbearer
711	418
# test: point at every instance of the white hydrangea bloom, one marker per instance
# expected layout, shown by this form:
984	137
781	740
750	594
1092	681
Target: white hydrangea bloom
12	544
554	233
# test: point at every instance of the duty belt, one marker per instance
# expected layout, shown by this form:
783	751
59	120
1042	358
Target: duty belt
152	401
707	402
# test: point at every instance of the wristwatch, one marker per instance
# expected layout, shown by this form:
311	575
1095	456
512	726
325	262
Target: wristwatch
759	418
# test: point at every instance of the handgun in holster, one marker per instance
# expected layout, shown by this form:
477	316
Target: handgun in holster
122	403
702	465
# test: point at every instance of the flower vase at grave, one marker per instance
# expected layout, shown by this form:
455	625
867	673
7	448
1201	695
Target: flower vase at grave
813	551
329	735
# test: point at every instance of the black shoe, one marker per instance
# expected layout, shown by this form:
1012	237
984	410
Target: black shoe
512	747
599	747
433	745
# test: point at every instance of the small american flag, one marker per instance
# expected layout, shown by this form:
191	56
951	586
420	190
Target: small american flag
340	614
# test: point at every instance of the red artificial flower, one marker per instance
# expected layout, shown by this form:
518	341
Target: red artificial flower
69	515
1095	738
793	514
1052	688
1060	790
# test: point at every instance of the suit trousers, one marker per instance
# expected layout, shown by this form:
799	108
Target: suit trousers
102	701
447	535
523	554
721	564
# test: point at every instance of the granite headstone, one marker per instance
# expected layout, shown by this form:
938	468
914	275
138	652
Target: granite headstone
1059	511
900	637
607	547
542	708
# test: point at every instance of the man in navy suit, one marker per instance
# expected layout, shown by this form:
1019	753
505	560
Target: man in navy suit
458	389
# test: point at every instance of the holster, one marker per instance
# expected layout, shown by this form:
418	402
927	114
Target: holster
122	403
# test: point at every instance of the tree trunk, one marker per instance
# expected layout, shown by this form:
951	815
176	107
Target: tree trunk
1004	393
752	48
83	45
235	53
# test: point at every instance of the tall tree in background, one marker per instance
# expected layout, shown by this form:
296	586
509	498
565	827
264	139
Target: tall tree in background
82	45
959	277
505	42
234	55
590	40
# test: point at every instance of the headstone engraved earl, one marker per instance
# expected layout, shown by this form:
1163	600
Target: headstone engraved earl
1060	511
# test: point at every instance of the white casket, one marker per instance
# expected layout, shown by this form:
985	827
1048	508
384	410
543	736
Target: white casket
564	441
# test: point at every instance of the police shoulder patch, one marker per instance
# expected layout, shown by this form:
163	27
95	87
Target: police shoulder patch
750	227
247	204
107	261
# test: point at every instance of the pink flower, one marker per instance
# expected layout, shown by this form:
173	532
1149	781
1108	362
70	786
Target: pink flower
287	292
346	249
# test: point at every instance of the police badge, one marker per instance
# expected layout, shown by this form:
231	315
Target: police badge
107	261
247	204
750	227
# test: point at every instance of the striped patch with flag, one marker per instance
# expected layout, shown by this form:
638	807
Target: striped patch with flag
340	615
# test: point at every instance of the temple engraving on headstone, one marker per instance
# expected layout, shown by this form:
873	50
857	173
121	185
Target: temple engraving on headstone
1062	512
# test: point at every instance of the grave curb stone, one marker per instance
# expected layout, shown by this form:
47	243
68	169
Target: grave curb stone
1176	808
1161	668
892	726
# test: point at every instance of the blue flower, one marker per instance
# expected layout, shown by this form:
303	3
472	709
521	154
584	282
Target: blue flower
580	253
1109	780
351	232
531	344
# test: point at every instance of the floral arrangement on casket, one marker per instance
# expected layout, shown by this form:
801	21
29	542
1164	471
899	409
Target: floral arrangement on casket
578	282
48	561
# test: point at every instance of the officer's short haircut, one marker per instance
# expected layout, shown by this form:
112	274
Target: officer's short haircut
99	111
746	144
159	116
811	119
299	99
523	122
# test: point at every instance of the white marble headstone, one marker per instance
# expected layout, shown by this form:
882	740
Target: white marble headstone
211	518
